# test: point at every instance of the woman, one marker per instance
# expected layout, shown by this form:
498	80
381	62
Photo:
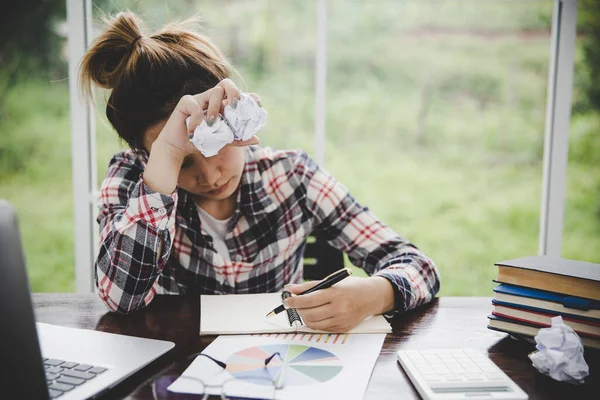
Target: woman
173	221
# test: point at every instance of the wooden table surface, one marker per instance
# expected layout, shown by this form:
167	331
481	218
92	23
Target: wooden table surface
447	322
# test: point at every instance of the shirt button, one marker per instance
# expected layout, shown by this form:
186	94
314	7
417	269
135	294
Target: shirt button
238	257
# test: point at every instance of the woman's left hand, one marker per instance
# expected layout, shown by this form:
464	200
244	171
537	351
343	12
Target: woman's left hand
344	305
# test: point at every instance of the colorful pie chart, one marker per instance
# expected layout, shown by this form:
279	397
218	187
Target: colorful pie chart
298	365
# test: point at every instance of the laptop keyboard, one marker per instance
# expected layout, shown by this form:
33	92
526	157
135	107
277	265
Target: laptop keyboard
63	376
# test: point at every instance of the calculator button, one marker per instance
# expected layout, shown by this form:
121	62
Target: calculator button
423	368
417	358
489	369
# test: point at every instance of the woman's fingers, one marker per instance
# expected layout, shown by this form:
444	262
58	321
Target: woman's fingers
328	324
214	105
209	104
300	287
310	300
256	98
213	100
187	106
231	91
317	314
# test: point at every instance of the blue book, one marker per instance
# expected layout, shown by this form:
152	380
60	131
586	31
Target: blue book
543	301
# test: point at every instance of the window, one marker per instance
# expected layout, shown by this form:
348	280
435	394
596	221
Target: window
436	115
35	142
581	235
435	111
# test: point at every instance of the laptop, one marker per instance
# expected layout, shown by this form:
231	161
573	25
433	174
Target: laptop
43	361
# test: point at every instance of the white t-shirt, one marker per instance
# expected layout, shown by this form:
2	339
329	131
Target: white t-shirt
217	228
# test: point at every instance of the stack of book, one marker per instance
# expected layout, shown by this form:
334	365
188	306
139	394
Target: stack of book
535	289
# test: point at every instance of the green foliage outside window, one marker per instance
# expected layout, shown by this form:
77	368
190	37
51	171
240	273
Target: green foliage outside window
457	98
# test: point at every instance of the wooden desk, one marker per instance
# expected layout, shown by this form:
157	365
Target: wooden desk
447	322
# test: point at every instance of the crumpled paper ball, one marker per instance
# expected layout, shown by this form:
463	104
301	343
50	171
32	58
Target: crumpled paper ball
246	119
240	123
210	139
560	353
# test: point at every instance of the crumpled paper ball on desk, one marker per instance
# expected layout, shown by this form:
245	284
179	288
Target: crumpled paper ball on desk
560	353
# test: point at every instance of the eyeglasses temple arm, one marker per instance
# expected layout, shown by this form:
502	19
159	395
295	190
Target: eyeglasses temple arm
220	363
268	360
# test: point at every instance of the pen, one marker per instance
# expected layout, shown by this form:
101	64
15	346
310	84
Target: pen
329	281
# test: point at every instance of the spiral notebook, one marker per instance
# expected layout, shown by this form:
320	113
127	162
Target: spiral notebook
245	313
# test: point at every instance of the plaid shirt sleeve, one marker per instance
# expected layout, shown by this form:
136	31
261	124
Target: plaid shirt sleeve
368	242
136	230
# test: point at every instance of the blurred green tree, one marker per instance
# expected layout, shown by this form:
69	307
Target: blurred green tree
30	44
586	148
589	27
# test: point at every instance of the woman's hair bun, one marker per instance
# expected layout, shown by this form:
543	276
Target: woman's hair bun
111	52
148	74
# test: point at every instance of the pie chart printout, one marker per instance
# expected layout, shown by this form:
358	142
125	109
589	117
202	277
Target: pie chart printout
299	365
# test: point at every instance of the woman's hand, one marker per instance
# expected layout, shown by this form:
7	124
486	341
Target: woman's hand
175	134
344	305
173	143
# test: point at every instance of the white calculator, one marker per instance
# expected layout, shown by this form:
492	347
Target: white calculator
451	374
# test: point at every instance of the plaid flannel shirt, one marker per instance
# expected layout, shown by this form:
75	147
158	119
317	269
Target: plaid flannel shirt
154	243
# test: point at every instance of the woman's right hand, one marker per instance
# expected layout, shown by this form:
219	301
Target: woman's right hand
173	142
176	134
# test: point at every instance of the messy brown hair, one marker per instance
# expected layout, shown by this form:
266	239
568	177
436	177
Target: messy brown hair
149	74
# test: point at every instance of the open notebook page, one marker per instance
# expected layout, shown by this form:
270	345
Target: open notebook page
245	313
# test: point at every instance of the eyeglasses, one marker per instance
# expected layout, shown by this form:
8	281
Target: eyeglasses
264	386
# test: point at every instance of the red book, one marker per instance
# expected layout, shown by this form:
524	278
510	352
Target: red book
582	327
527	330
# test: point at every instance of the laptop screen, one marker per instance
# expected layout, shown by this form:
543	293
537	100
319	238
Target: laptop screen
18	337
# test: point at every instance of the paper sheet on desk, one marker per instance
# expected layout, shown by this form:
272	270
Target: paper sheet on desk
318	370
245	313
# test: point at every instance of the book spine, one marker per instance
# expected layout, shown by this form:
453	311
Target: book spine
545	324
577	303
576	317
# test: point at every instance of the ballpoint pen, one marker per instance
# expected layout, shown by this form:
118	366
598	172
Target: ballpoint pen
329	281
